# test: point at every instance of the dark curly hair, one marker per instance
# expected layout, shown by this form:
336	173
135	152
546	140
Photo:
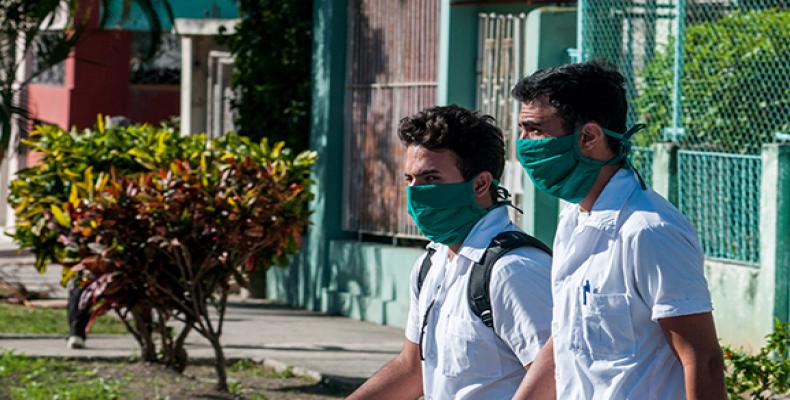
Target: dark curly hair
582	92
473	137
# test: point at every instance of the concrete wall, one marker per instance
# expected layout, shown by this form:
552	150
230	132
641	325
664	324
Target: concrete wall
739	304
369	281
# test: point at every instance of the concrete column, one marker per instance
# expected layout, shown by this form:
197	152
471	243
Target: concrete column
458	44
775	229
194	77
186	85
665	170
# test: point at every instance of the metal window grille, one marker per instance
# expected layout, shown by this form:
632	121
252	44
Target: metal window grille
220	94
54	75
391	72
164	68
499	67
713	76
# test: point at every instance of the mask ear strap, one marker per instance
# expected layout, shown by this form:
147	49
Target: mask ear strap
625	148
503	196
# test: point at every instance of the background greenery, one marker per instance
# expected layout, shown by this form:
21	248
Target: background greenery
272	50
736	83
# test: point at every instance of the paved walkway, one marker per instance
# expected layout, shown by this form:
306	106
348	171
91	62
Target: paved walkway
336	349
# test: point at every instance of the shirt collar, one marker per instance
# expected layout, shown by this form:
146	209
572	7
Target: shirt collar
610	202
476	243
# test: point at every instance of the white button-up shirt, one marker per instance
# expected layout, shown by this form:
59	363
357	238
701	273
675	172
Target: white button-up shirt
618	269
463	358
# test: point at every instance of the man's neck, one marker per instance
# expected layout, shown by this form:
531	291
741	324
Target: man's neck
604	177
453	250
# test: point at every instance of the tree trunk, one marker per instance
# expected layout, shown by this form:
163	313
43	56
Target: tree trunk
147	345
179	362
219	364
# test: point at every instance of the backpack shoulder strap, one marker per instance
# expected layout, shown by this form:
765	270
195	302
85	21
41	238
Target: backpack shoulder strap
426	265
478	293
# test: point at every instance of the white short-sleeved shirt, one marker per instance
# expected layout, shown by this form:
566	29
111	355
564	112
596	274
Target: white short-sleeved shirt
463	358
618	269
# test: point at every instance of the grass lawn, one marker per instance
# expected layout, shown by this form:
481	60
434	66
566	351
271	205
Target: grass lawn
23	377
20	319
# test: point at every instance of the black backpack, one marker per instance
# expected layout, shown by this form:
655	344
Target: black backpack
480	277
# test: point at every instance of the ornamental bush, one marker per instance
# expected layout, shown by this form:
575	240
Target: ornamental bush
736	83
72	161
761	376
162	240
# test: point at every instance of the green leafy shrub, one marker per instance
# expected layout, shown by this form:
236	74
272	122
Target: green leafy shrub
163	240
736	83
765	375
72	161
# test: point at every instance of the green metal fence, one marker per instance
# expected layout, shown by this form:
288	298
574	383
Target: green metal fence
714	77
719	193
642	160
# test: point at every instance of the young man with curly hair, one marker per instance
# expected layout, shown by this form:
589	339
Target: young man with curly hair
480	304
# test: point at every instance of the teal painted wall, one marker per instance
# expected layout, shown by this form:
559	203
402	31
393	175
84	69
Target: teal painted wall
302	283
181	9
369	281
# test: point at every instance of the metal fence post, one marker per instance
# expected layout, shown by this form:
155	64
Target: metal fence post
676	131
580	10
665	170
775	227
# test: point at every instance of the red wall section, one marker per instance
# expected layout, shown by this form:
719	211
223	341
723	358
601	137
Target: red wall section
153	103
101	77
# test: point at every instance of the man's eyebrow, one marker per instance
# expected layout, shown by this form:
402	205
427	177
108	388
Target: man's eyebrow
530	122
424	172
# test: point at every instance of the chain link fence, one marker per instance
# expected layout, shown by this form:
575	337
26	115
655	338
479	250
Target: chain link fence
714	77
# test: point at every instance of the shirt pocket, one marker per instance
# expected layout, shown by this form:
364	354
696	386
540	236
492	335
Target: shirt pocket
606	326
469	349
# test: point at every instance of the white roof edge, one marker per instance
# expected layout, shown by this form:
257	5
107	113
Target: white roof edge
204	26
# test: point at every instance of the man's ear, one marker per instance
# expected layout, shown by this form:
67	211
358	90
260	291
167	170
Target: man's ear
482	184
590	136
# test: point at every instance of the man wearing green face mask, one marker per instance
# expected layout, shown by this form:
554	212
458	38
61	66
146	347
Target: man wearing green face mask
632	311
453	350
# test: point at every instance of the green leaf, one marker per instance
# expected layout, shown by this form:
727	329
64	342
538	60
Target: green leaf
62	219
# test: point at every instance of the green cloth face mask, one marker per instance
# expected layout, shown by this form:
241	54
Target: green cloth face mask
557	167
445	213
